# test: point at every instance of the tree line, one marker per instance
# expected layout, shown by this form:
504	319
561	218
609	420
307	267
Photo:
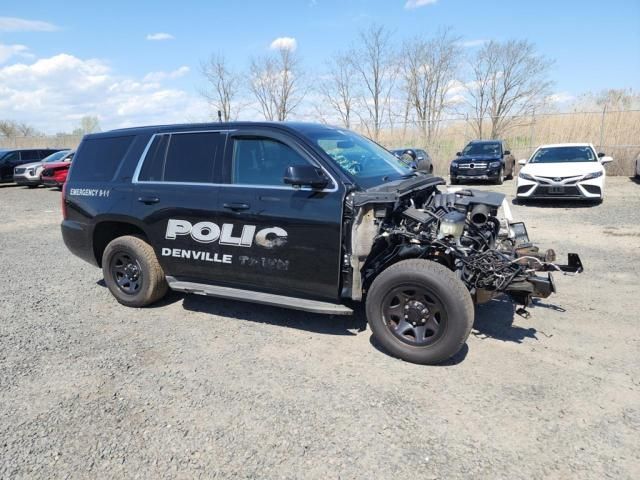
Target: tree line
376	82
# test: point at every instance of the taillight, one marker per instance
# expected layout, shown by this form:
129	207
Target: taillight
63	196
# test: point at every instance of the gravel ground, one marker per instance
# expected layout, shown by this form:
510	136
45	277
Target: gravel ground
199	387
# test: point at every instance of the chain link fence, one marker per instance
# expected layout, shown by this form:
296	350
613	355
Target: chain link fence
616	133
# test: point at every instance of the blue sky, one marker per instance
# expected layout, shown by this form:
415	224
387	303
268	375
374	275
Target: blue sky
595	44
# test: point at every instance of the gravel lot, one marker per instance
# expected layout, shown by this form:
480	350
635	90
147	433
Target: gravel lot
199	387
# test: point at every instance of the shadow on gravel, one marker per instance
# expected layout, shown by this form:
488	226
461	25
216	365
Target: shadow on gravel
556	203
495	320
455	360
281	317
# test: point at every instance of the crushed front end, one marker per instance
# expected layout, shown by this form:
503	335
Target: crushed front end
460	229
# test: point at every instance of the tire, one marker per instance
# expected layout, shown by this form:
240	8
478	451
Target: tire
446	300
454	181
500	179
151	282
31	186
513	167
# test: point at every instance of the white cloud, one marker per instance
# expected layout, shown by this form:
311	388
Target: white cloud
160	36
53	93
13	24
284	43
418	3
8	51
473	43
561	97
159	76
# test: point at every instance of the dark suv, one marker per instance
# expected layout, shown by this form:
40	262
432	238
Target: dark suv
296	215
483	160
10	158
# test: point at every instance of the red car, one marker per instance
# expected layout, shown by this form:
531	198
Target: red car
55	174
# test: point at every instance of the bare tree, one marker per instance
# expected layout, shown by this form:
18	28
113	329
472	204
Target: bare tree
373	62
224	85
430	68
276	82
10	129
508	80
338	89
88	124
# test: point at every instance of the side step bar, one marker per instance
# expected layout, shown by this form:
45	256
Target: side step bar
313	306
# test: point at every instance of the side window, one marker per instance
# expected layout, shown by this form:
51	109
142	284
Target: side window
154	161
190	157
182	157
10	159
99	158
29	155
262	161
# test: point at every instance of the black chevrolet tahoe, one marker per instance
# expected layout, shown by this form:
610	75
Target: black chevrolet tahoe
483	160
296	215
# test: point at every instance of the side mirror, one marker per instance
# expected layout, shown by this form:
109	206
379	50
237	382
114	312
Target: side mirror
507	152
604	159
305	176
600	155
458	154
522	161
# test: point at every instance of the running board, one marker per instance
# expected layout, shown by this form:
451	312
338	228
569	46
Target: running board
313	306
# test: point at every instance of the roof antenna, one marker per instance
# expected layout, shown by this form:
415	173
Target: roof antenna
220	116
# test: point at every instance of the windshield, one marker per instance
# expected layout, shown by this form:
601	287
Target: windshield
563	154
366	161
56	157
482	149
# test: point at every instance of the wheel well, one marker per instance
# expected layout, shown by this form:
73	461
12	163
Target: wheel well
107	231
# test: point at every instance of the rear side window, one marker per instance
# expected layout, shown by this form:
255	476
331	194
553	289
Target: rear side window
182	157
98	158
30	155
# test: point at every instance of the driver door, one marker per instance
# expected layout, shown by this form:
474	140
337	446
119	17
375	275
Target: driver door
295	248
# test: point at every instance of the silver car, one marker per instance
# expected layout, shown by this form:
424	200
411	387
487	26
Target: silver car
29	173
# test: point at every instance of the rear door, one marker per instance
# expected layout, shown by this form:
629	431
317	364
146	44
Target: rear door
177	200
285	240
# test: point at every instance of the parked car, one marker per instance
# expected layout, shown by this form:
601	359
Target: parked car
563	171
415	158
483	160
296	215
11	158
55	173
29	173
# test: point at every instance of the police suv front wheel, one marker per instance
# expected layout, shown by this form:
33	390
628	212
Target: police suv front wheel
419	311
132	272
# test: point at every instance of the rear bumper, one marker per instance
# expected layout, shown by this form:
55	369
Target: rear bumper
78	239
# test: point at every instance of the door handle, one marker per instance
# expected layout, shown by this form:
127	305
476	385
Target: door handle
148	200
236	206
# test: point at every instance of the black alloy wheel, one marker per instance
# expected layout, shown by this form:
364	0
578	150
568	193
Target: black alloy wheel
414	314
126	272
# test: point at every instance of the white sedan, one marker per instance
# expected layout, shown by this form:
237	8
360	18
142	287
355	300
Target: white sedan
563	171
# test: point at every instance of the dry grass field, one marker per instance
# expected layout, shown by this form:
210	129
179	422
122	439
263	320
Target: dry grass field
615	133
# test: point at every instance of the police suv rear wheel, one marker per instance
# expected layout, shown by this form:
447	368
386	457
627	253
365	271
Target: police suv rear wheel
132	272
419	311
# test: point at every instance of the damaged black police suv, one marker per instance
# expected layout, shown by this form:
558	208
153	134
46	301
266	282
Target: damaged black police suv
297	215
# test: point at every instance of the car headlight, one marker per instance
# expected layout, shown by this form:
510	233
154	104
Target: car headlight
526	176
454	166
494	164
589	176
